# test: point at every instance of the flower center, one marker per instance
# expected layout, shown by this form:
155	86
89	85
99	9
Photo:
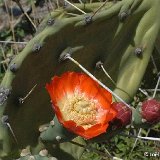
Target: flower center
78	108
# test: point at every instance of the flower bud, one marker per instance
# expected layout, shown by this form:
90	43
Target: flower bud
151	111
124	114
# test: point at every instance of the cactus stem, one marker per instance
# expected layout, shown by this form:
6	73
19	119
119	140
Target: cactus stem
75	6
21	100
94	78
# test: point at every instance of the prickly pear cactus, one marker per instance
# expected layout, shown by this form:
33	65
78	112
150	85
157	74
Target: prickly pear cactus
121	35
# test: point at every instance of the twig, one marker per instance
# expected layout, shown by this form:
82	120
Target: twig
12	42
26	15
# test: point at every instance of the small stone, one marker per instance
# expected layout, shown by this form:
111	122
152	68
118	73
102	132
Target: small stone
43	153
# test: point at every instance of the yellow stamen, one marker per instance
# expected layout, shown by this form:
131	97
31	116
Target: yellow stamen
79	108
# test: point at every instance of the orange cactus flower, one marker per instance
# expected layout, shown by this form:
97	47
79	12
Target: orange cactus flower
80	104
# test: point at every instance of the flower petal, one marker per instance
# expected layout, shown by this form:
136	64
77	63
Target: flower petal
55	90
89	133
72	126
95	131
103	100
58	113
88	86
69	81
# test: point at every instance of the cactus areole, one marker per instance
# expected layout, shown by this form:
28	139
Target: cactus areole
80	104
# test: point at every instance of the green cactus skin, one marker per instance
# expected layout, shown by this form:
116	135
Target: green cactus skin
37	157
112	36
43	155
61	134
